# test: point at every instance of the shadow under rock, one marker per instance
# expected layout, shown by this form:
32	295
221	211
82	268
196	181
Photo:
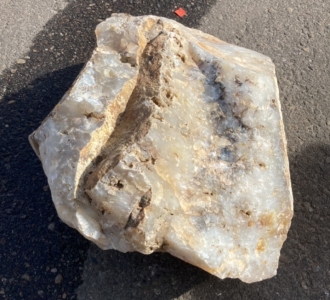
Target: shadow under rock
33	239
115	275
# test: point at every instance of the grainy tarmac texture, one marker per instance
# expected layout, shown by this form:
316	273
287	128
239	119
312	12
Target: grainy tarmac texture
33	241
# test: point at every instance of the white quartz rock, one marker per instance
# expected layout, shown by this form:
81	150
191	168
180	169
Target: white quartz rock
172	140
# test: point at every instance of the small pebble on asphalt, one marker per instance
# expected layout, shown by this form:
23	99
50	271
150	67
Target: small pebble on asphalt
26	277
58	279
51	226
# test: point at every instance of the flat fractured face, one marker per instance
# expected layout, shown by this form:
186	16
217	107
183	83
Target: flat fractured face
172	140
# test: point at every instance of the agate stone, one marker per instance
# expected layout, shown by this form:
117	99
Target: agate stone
172	140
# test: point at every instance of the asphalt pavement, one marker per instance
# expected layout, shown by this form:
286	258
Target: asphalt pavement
41	55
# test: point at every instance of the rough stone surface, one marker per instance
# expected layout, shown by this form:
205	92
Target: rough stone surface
172	140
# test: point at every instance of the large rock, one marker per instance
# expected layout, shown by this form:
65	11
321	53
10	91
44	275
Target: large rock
172	140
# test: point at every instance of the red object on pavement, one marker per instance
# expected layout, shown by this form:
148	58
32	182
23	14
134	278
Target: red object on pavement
180	12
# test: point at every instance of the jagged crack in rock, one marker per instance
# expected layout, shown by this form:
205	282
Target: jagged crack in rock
172	140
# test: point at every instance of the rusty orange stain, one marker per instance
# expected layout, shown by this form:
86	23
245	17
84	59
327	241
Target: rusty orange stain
261	246
267	219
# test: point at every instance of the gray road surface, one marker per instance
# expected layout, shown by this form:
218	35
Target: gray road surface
294	33
20	22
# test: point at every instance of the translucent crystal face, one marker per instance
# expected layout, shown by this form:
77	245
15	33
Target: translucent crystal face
171	140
